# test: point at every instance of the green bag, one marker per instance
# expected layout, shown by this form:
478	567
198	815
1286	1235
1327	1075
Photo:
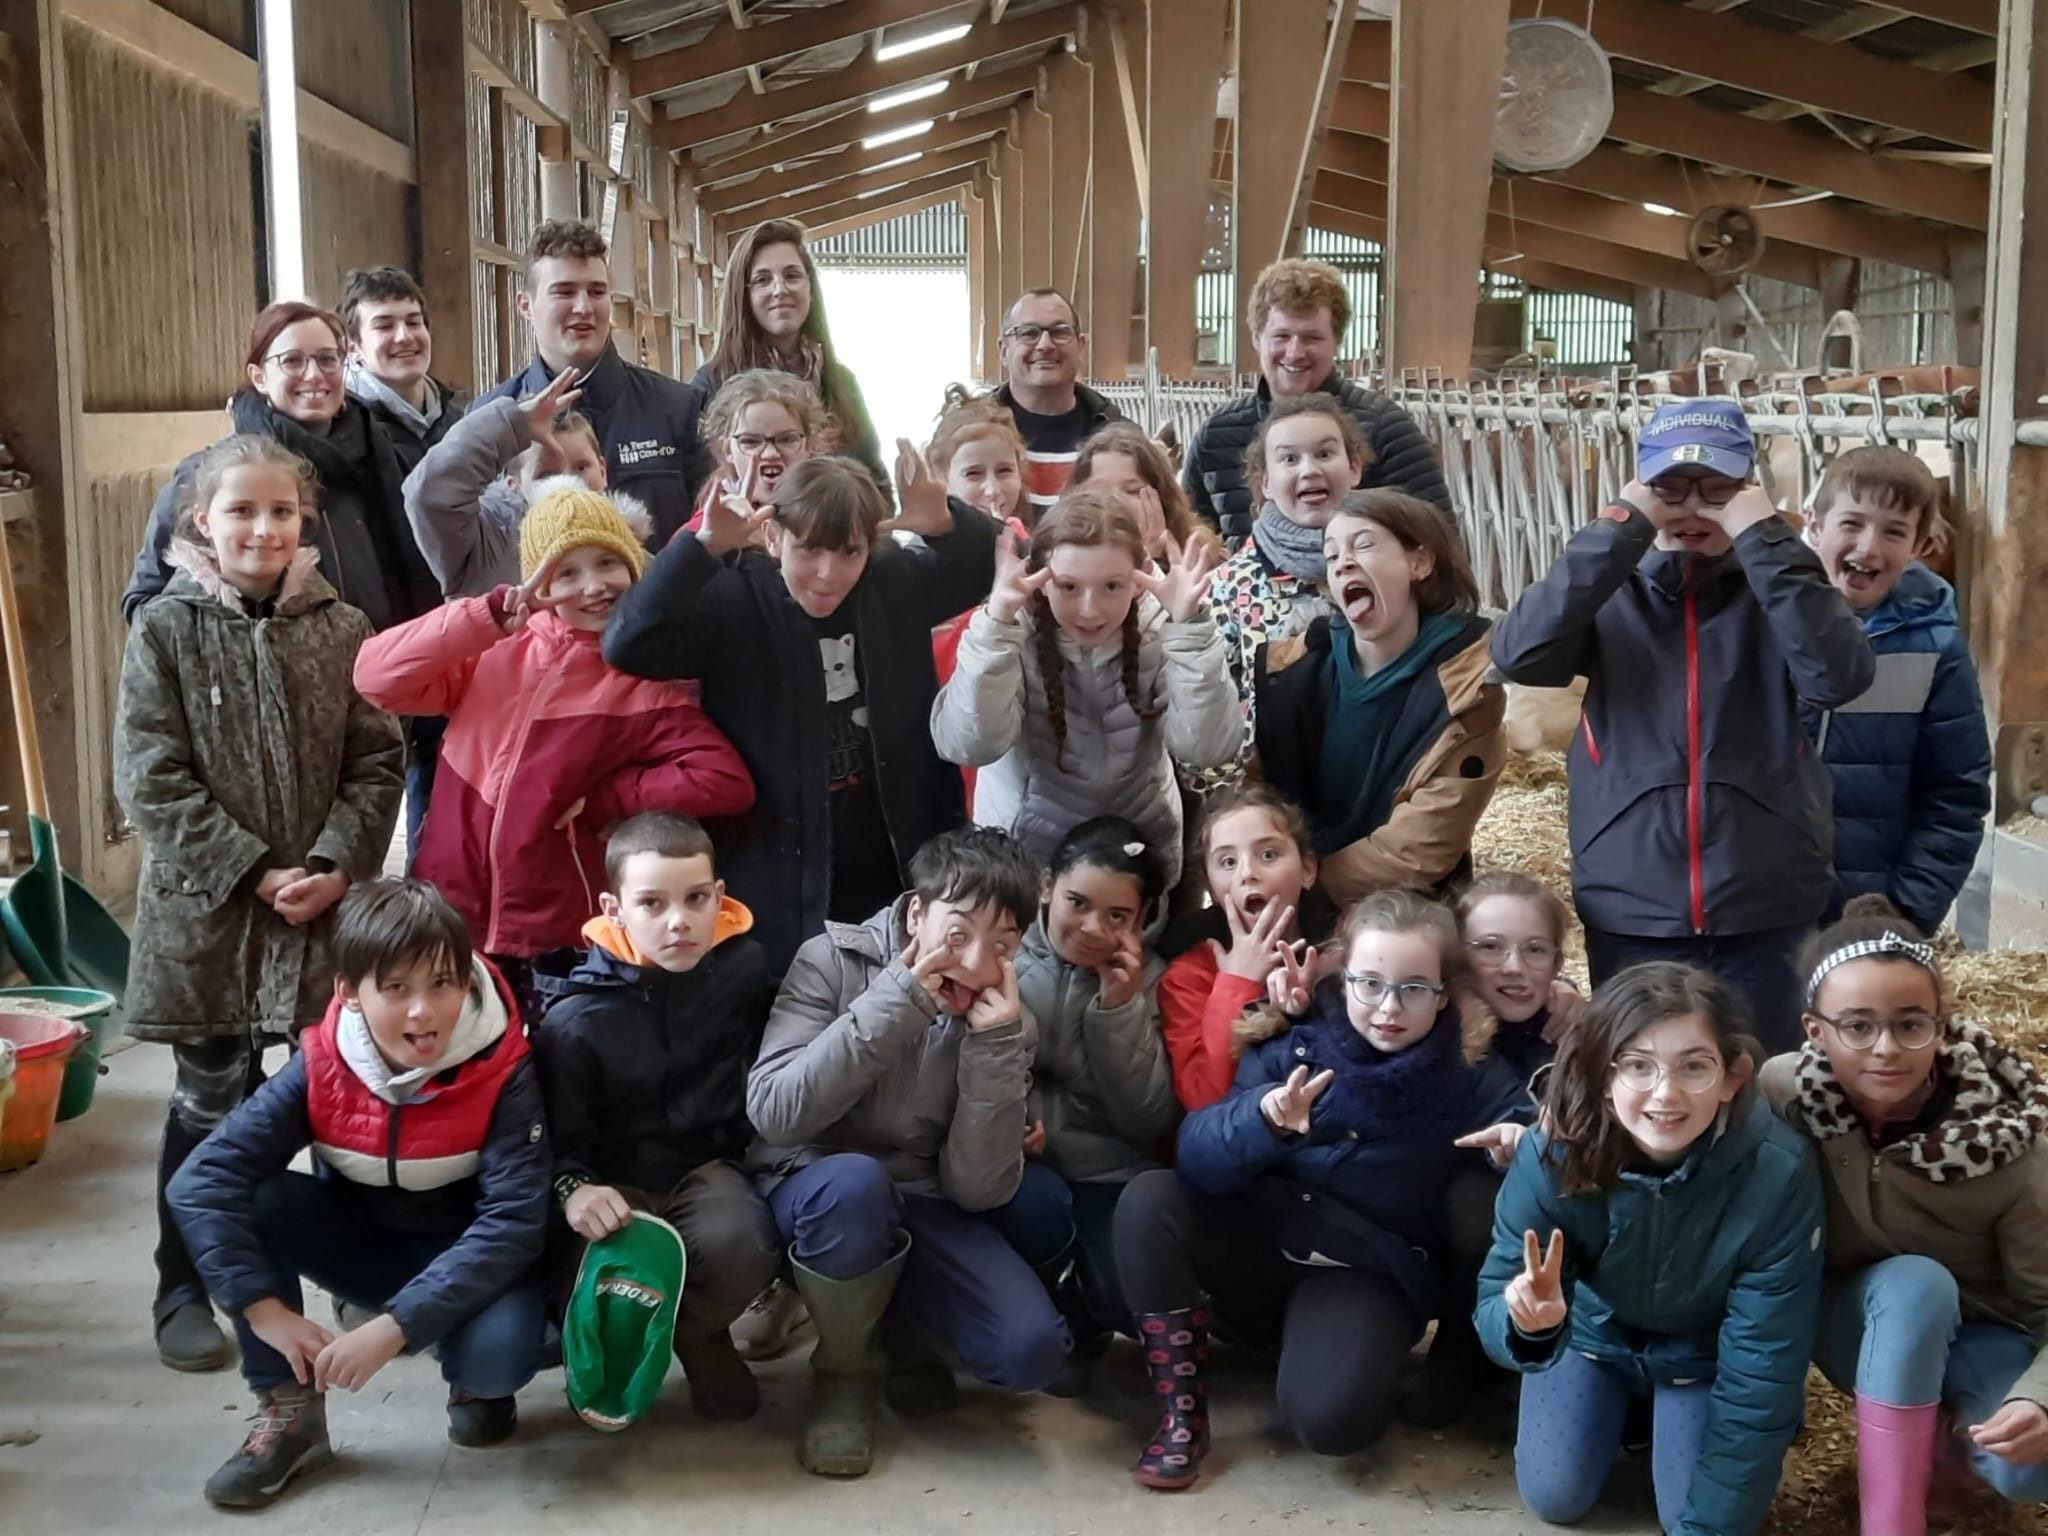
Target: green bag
619	1333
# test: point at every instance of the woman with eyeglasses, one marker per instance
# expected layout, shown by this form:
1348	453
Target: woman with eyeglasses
293	393
1936	1309
1308	1204
772	316
1658	1240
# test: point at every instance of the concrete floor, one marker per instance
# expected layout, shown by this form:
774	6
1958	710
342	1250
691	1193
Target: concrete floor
96	1435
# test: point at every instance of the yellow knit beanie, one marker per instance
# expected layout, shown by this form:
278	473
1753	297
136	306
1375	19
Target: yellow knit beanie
567	519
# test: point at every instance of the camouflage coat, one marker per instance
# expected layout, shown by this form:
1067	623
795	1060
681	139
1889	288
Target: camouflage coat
240	746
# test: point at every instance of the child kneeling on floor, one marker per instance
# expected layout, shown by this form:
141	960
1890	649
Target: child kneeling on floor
423	1114
643	1058
890	1101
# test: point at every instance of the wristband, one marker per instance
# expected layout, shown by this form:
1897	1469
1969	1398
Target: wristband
566	1184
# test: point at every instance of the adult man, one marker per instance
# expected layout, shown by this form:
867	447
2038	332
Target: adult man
1298	313
646	421
1043	350
390	350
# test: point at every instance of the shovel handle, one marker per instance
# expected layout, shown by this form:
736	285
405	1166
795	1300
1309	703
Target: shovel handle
18	687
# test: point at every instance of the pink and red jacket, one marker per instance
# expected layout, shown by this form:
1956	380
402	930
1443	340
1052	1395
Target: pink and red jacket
537	722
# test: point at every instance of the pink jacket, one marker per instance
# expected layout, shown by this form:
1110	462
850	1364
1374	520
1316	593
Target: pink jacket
536	723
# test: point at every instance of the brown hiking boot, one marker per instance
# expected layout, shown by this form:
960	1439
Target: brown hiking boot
287	1436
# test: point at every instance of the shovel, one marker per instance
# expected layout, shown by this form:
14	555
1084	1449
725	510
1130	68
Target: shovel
60	935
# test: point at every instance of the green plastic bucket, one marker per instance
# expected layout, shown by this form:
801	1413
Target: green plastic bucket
97	1012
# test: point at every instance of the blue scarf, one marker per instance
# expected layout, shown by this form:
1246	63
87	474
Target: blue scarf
1411	1094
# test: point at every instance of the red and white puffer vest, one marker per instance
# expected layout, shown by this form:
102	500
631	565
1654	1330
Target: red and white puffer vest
433	1140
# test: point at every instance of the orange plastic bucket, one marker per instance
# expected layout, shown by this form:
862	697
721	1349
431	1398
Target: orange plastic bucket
43	1045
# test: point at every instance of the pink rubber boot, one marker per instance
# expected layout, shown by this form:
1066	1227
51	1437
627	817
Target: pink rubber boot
1894	1462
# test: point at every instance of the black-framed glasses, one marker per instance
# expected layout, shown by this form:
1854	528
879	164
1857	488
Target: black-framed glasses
1372	989
751	443
1030	335
295	364
1642	1074
1675	490
1492	953
1859	1032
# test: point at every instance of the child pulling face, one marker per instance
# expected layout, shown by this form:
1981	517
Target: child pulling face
1257	872
1308	467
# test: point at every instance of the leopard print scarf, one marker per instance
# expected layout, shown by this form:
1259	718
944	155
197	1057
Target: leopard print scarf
2000	1108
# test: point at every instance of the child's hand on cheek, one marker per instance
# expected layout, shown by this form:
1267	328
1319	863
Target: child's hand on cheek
1120	977
997	1005
924	968
1751	505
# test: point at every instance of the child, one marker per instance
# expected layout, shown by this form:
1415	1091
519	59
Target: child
1699	816
1101	1091
1514	932
1936	1308
1384	723
979	453
1083	678
467	497
643	1058
1261	869
547	746
761	424
1123	460
816	658
1658	1238
428	1206
1306	456
890	1101
1911	758
1309	1203
262	784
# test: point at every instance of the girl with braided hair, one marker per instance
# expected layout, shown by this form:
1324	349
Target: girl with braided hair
1084	677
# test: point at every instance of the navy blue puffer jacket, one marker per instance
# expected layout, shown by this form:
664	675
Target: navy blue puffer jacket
1911	758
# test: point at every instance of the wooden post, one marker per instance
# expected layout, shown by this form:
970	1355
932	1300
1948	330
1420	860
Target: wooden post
1447	70
1966	298
440	74
1035	228
977	278
1070	101
1010	168
1275	118
993	299
1186	60
555	75
1113	195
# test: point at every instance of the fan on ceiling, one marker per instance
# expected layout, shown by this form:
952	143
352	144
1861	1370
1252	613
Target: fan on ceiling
1556	96
1725	240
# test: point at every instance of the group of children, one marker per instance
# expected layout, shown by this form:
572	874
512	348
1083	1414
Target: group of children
1103	955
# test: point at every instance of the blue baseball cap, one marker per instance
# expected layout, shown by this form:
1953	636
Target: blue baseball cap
1709	434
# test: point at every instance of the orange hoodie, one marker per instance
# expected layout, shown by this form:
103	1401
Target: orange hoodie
609	934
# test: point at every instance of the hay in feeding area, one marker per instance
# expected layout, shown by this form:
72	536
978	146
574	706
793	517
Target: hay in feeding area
2004	990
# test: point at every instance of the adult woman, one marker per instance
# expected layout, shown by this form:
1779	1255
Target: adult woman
294	394
773	317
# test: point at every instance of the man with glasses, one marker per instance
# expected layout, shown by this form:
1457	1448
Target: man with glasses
1044	349
1702	824
390	353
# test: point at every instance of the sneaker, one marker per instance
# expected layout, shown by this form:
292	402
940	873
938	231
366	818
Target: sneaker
476	1423
190	1340
772	1325
287	1436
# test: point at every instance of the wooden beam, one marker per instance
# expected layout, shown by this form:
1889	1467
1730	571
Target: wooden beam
170	42
1556	279
440	77
1185	64
1113	194
1008	166
1447	69
1336	48
1980	16
866	78
885	208
728	49
1828	77
848	162
1275	122
823	214
857	125
988	299
857	191
971	205
1034	139
1070	106
1557	276
1131	75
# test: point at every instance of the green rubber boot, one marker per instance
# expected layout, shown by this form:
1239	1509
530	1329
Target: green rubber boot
846	1365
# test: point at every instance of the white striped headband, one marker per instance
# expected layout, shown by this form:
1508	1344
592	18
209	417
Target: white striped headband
1888	946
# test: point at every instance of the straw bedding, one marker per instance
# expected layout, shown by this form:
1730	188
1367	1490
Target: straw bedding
2006	991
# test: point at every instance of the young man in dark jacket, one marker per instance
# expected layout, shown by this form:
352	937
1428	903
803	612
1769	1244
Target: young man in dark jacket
428	1206
1701	827
815	657
643	1059
1911	757
390	353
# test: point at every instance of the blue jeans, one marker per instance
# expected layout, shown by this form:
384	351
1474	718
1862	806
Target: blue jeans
1763	968
1052	1219
423	735
1572	1419
311	1228
1895	1331
964	1284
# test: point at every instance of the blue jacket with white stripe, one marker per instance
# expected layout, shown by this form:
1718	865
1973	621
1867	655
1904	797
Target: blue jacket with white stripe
1910	757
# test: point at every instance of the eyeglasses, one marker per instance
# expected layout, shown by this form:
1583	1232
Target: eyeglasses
1372	989
1675	490
1909	1031
296	363
751	443
1493	953
1030	335
1642	1074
